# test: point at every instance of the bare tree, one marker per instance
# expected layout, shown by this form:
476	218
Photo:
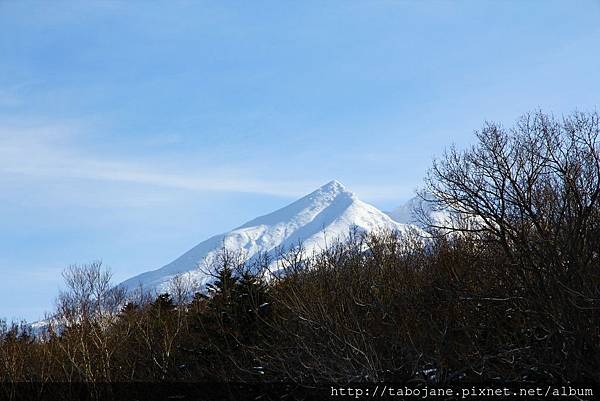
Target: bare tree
533	193
86	308
182	287
534	188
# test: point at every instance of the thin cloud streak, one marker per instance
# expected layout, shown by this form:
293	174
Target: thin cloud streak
50	152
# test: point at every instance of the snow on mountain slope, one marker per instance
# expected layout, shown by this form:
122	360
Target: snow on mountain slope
326	214
405	214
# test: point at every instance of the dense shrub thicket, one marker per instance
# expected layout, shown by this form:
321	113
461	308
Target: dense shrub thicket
508	288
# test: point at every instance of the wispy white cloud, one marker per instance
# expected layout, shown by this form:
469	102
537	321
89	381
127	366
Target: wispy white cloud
51	151
55	151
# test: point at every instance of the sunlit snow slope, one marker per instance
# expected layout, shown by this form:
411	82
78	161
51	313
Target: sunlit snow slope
405	214
327	214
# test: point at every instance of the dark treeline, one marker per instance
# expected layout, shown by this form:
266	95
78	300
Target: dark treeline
505	287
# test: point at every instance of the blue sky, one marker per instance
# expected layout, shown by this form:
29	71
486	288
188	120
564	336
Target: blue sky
130	131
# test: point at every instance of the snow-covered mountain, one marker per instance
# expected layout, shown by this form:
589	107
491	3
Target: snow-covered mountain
405	214
327	214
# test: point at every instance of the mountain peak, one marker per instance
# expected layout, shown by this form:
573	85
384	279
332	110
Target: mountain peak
334	187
